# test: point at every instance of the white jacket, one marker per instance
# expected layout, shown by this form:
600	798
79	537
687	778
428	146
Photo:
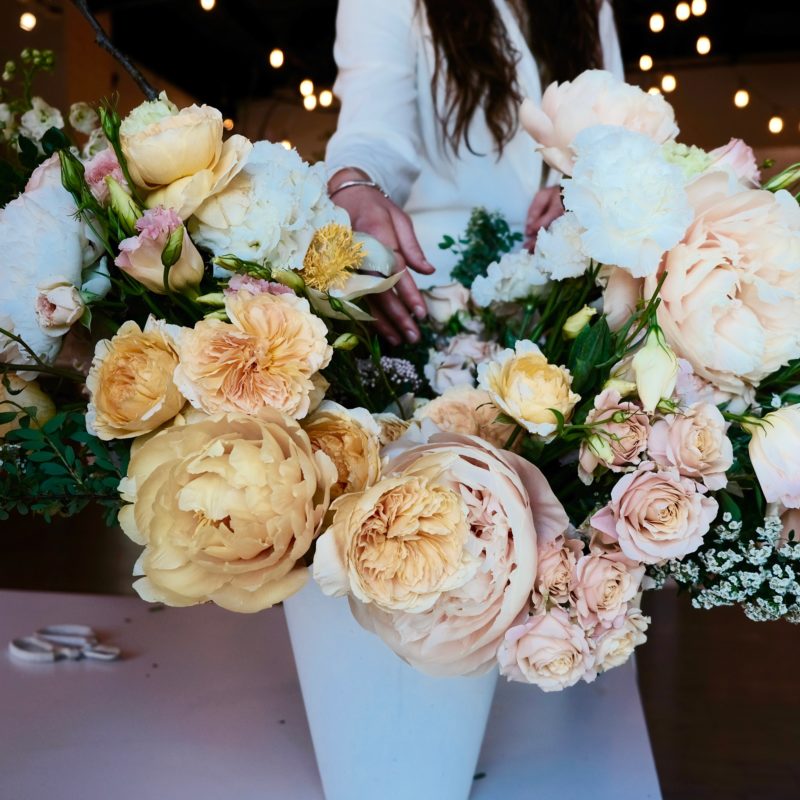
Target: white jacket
388	125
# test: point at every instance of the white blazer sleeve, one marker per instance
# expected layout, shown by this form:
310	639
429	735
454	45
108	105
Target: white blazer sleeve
609	41
378	129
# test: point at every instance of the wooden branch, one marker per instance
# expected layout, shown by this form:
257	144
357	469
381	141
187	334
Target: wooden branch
101	37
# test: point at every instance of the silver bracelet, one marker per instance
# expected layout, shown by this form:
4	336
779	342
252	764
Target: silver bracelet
368	183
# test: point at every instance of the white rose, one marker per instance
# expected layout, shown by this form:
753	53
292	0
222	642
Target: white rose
630	200
456	364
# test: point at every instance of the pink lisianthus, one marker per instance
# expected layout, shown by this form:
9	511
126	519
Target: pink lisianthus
140	256
100	167
254	286
548	650
738	158
656	515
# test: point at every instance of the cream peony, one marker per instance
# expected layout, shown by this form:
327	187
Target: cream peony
595	97
515	277
269	211
130	384
226	508
527	388
456	363
630	202
694	442
730	304
350	438
27	394
656	515
549	651
265	358
616	645
604	585
372	551
775	455
619	438
466	410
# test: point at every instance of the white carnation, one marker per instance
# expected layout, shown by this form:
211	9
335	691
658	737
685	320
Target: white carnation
269	211
628	197
35	122
559	249
515	277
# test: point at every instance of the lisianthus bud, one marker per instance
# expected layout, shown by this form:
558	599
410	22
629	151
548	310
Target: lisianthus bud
290	278
212	299
577	322
624	387
655	369
347	341
785	179
600	447
124	206
72	173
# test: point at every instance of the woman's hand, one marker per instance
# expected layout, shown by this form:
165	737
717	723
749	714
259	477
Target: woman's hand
372	213
546	207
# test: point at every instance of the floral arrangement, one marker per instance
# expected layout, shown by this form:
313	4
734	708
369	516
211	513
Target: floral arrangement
581	424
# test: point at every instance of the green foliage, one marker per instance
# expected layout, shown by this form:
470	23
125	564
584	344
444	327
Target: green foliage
59	468
487	237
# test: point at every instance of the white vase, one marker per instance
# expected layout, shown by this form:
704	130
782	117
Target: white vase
381	729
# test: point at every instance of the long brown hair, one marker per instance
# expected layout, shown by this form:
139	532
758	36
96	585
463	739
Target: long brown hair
478	61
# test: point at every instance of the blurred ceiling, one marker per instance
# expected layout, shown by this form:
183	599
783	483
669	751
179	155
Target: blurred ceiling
220	56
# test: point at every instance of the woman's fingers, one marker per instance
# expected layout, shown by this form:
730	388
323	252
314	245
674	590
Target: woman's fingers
407	240
540	202
382	324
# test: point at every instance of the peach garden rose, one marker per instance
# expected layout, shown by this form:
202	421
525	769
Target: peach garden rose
226	507
440	590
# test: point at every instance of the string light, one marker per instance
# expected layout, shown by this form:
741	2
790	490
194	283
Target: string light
654	90
741	98
704	45
645	63
276	58
699	7
207	5
669	83
227	123
286	144
683	11
775	124
325	98
306	87
656	23
310	102
27	21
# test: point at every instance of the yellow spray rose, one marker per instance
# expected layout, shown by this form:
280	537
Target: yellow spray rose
225	507
526	387
130	382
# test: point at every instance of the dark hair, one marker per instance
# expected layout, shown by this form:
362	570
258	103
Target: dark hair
478	61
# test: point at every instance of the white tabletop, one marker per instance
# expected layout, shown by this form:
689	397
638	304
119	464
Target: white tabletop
206	705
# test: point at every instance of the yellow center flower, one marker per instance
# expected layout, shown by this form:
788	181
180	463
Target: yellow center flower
331	257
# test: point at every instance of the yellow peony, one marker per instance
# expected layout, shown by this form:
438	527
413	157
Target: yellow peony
526	387
349	437
266	358
463	409
130	383
226	508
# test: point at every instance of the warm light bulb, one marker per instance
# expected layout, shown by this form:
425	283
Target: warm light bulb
669	83
657	23
741	98
310	102
683	11
699	7
325	97
227	123
27	21
306	87
207	5
645	63
775	124
276	58
654	90
704	45
286	144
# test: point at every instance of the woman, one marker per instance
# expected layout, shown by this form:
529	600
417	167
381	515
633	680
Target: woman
429	129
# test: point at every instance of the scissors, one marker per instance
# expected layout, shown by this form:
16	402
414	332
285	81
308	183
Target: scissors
61	642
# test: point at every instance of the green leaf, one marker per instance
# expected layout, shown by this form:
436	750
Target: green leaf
593	346
54	140
7	416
